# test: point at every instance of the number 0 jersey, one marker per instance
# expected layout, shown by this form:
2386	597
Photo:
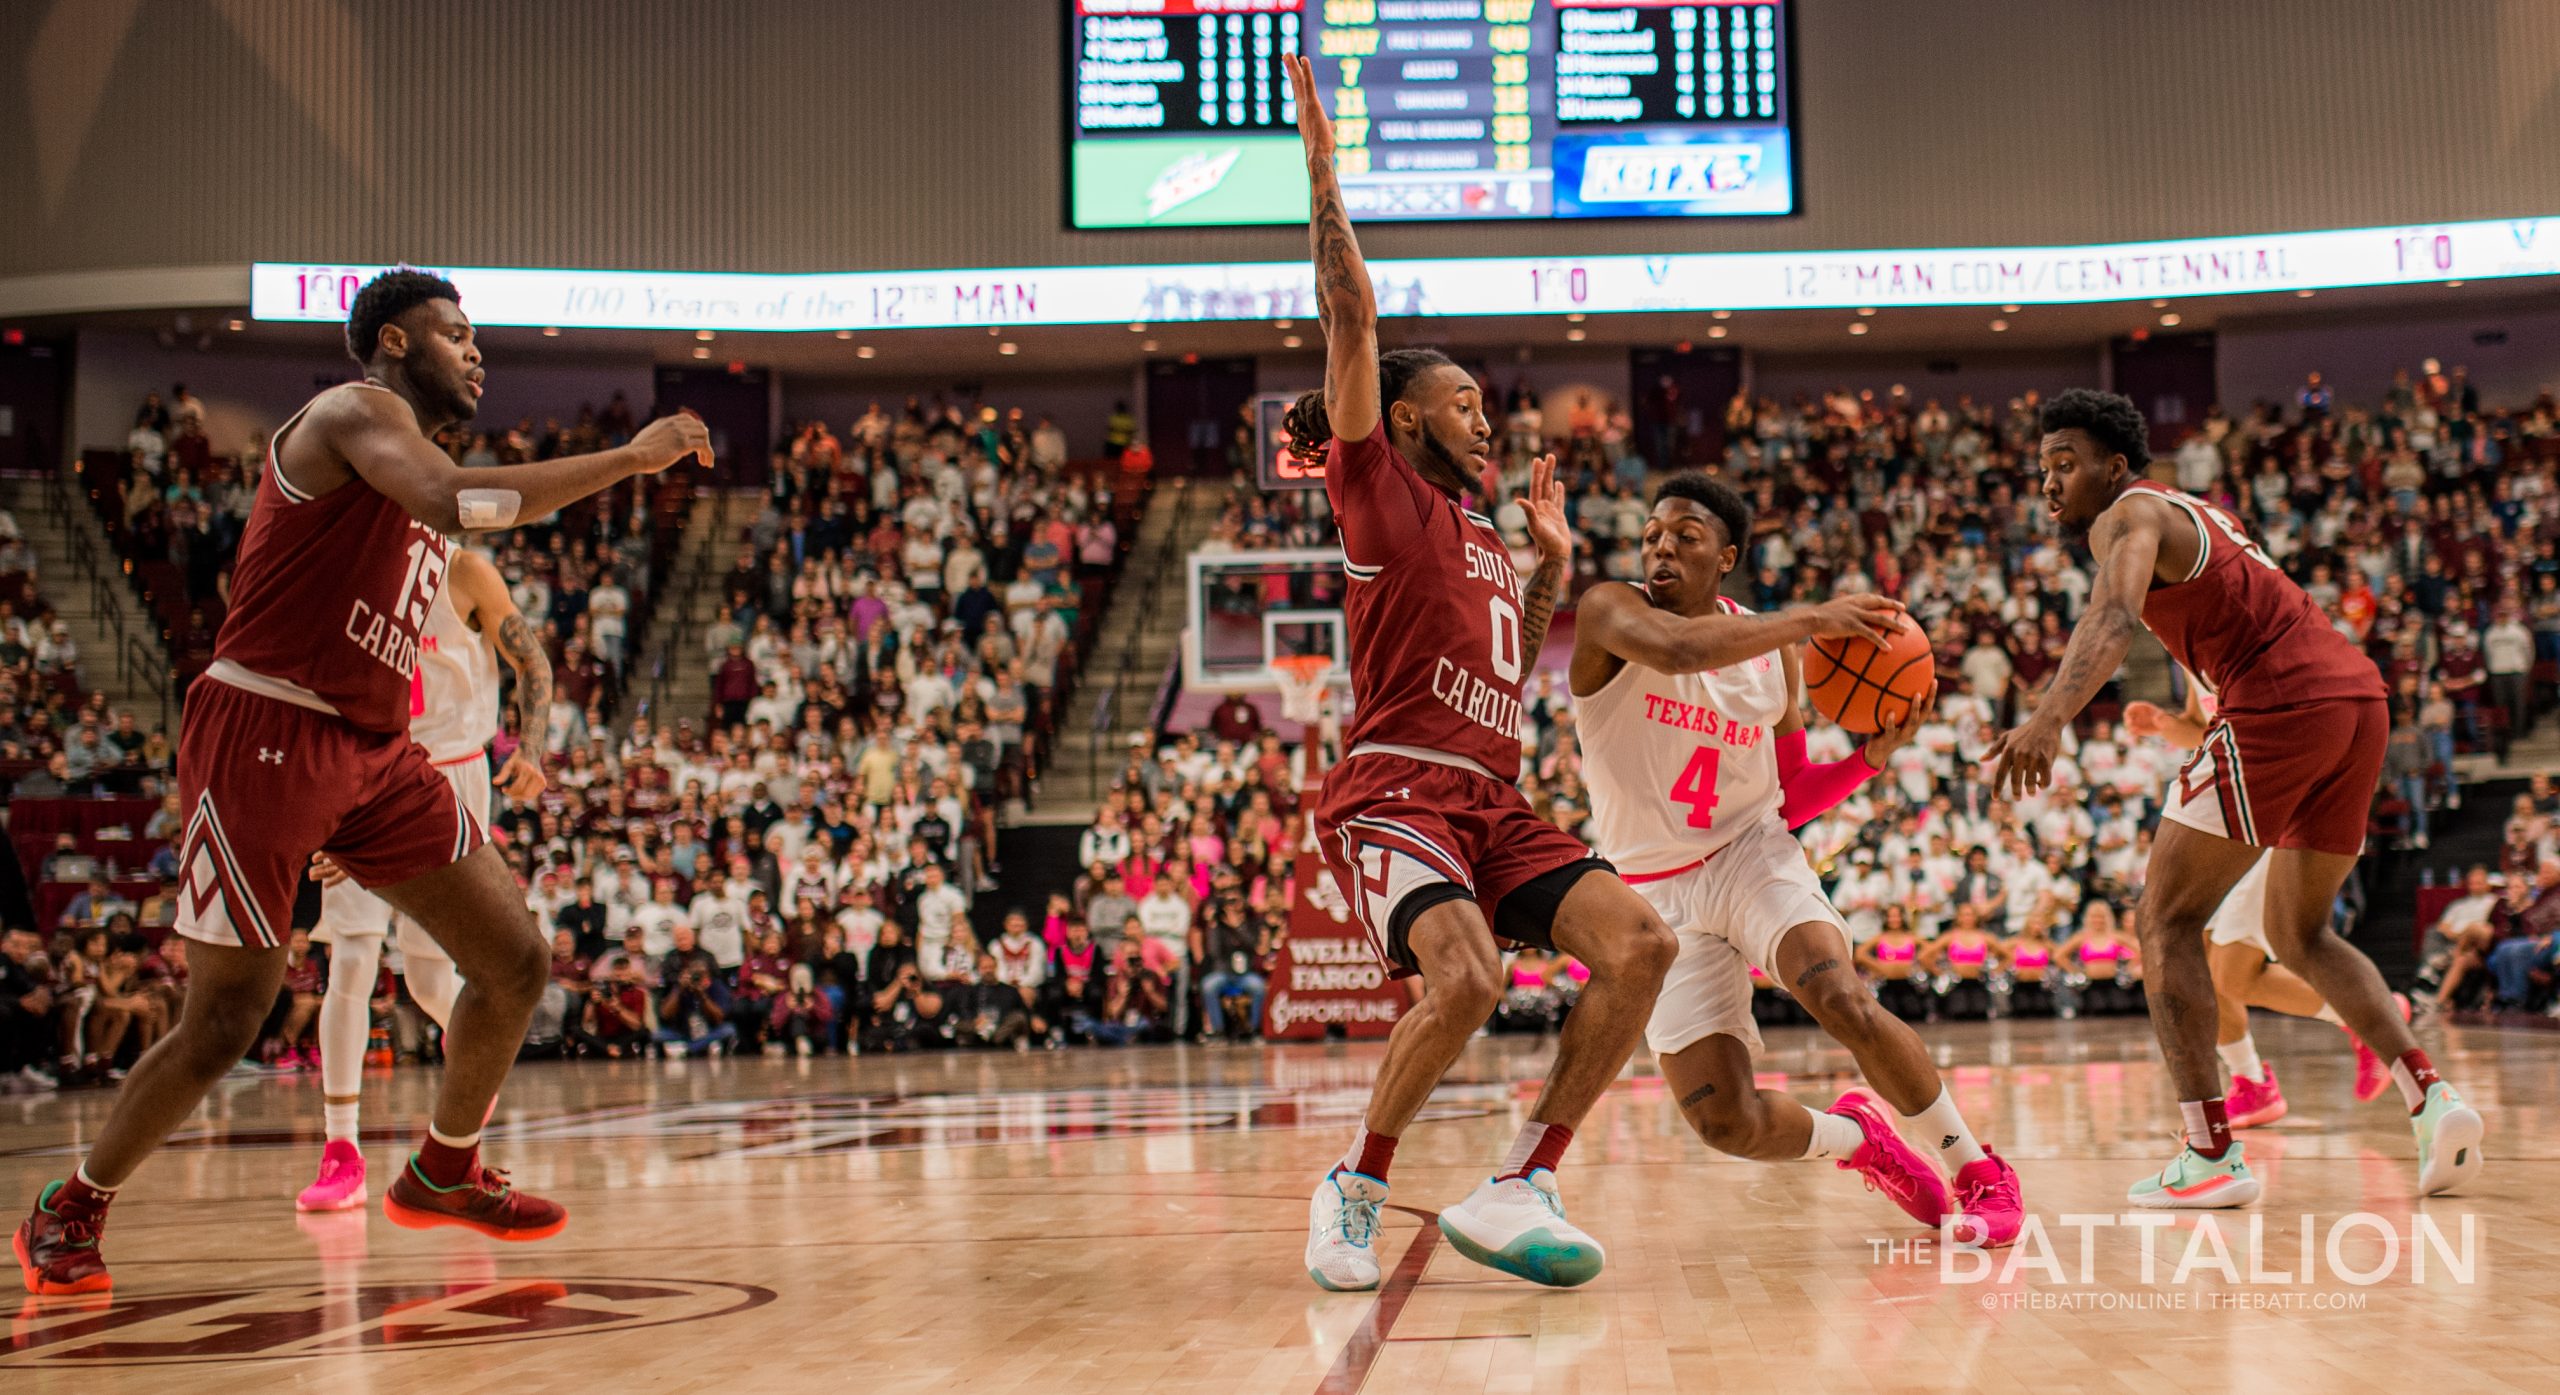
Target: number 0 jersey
329	596
1680	764
1433	615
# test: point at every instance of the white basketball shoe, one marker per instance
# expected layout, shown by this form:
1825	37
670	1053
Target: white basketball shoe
1342	1232
1517	1225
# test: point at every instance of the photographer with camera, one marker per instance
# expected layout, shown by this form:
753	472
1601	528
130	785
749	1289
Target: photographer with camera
693	1016
905	1015
801	1017
613	1022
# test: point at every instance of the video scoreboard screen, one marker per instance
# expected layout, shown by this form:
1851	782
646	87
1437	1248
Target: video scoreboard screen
1179	114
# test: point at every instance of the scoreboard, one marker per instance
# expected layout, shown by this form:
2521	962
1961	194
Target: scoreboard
1179	114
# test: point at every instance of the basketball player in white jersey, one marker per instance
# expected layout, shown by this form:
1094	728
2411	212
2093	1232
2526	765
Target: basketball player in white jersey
453	712
2245	971
1690	710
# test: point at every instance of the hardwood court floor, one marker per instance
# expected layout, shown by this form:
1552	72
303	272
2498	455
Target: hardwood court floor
1132	1221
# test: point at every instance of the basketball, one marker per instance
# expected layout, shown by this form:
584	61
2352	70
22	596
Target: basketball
1864	686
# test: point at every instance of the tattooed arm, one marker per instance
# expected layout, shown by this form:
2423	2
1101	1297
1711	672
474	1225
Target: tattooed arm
2126	543
1554	539
1346	304
480	597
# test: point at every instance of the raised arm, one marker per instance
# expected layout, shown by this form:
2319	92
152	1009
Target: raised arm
2126	542
480	597
1553	537
377	437
1346	304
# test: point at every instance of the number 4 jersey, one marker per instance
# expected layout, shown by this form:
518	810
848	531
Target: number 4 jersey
329	596
1680	764
1433	615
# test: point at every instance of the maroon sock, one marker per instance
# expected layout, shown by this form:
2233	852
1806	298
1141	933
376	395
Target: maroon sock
77	1195
1539	1145
444	1165
2208	1127
1369	1155
2415	1075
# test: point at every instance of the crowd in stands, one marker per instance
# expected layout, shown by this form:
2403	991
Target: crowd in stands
811	865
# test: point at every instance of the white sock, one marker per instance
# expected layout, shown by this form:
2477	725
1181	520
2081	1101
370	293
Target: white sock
82	1172
2329	1015
1834	1136
341	1120
2241	1058
469	1140
1944	1126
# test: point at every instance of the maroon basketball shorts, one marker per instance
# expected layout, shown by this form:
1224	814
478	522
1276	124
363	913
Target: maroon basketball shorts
265	784
2299	778
1401	835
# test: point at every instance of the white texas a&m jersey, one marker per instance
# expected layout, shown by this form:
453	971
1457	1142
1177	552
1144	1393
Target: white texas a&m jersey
1680	764
453	698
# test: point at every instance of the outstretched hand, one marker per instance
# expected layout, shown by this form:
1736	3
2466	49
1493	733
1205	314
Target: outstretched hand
2022	758
1545	506
1897	735
1315	129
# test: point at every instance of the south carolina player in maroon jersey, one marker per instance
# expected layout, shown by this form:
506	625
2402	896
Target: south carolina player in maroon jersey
1421	823
2289	765
296	742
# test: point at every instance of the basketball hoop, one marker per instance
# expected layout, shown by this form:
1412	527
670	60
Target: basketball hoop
1302	679
1306	697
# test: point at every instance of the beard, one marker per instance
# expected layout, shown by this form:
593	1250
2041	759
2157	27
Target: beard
1444	467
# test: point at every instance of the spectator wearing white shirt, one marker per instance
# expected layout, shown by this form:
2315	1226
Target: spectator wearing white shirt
657	920
940	910
1862	895
719	919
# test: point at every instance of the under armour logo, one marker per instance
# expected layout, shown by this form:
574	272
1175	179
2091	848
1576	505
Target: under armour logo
270	756
1405	793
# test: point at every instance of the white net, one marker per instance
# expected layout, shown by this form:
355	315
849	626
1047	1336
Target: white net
1304	684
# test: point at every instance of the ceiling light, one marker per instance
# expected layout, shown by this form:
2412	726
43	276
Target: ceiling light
2159	305
866	351
1575	318
236	326
1577	335
2169	321
2010	309
2304	294
1137	329
1284	324
2449	285
1999	326
700	352
1724	314
1292	342
995	331
703	334
1008	348
1866	311
844	334
551	331
1715	331
1857	326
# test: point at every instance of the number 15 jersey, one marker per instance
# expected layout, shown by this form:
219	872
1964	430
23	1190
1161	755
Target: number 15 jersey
1433	615
1680	764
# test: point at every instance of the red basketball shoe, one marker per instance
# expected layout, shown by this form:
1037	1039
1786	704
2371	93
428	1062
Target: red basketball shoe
58	1253
486	1202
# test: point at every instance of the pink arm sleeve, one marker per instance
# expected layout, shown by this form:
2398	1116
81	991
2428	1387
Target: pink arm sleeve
1807	792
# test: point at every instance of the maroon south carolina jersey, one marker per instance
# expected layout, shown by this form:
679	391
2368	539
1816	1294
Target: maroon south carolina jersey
2241	625
330	592
1433	614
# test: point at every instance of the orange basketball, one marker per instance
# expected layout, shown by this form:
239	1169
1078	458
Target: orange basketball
1864	687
